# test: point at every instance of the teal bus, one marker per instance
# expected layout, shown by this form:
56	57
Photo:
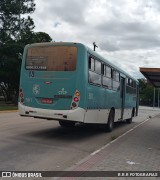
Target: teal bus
71	83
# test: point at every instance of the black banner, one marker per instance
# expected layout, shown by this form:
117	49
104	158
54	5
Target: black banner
39	174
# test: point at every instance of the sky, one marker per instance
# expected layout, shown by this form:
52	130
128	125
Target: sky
127	32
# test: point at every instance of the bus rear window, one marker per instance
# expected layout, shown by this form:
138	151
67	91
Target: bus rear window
52	58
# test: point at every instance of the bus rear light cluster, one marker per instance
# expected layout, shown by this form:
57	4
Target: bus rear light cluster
75	100
21	96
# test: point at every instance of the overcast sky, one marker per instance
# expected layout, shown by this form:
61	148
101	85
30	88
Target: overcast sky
127	32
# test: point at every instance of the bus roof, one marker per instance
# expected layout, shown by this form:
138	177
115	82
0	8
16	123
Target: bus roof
89	50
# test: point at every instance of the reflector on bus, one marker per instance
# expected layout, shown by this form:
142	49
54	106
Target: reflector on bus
21	96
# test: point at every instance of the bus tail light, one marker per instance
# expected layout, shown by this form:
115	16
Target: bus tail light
75	100
21	96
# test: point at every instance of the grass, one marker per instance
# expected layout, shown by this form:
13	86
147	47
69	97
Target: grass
7	107
114	137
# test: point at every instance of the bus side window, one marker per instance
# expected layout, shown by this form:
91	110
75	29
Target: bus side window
98	67
94	78
108	72
128	82
103	69
116	79
94	71
107	81
117	76
113	74
91	63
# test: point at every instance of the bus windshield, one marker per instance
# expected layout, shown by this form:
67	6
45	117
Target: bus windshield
51	58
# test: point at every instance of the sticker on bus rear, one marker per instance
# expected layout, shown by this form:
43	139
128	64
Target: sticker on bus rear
62	92
36	89
31	73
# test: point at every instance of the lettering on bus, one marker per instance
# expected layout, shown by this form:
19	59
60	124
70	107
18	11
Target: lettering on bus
63	96
36	67
36	62
90	96
28	100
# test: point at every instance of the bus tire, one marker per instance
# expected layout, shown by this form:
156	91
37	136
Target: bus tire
129	121
110	123
68	124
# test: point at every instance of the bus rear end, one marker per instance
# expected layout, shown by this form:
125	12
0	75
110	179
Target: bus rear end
48	84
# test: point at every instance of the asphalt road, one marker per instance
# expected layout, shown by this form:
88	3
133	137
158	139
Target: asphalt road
28	144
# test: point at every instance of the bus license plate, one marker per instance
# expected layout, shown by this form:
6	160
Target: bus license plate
46	101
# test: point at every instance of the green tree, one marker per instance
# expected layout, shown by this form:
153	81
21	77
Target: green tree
12	26
16	30
11	20
34	37
146	92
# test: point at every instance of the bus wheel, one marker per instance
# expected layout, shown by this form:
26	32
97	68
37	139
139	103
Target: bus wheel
129	121
67	123
110	123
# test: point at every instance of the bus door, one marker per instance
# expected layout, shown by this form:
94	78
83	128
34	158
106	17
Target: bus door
122	95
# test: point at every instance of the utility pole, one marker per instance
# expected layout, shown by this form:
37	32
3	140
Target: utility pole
158	97
94	46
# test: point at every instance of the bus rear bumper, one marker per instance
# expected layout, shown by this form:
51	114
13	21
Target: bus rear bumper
71	115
